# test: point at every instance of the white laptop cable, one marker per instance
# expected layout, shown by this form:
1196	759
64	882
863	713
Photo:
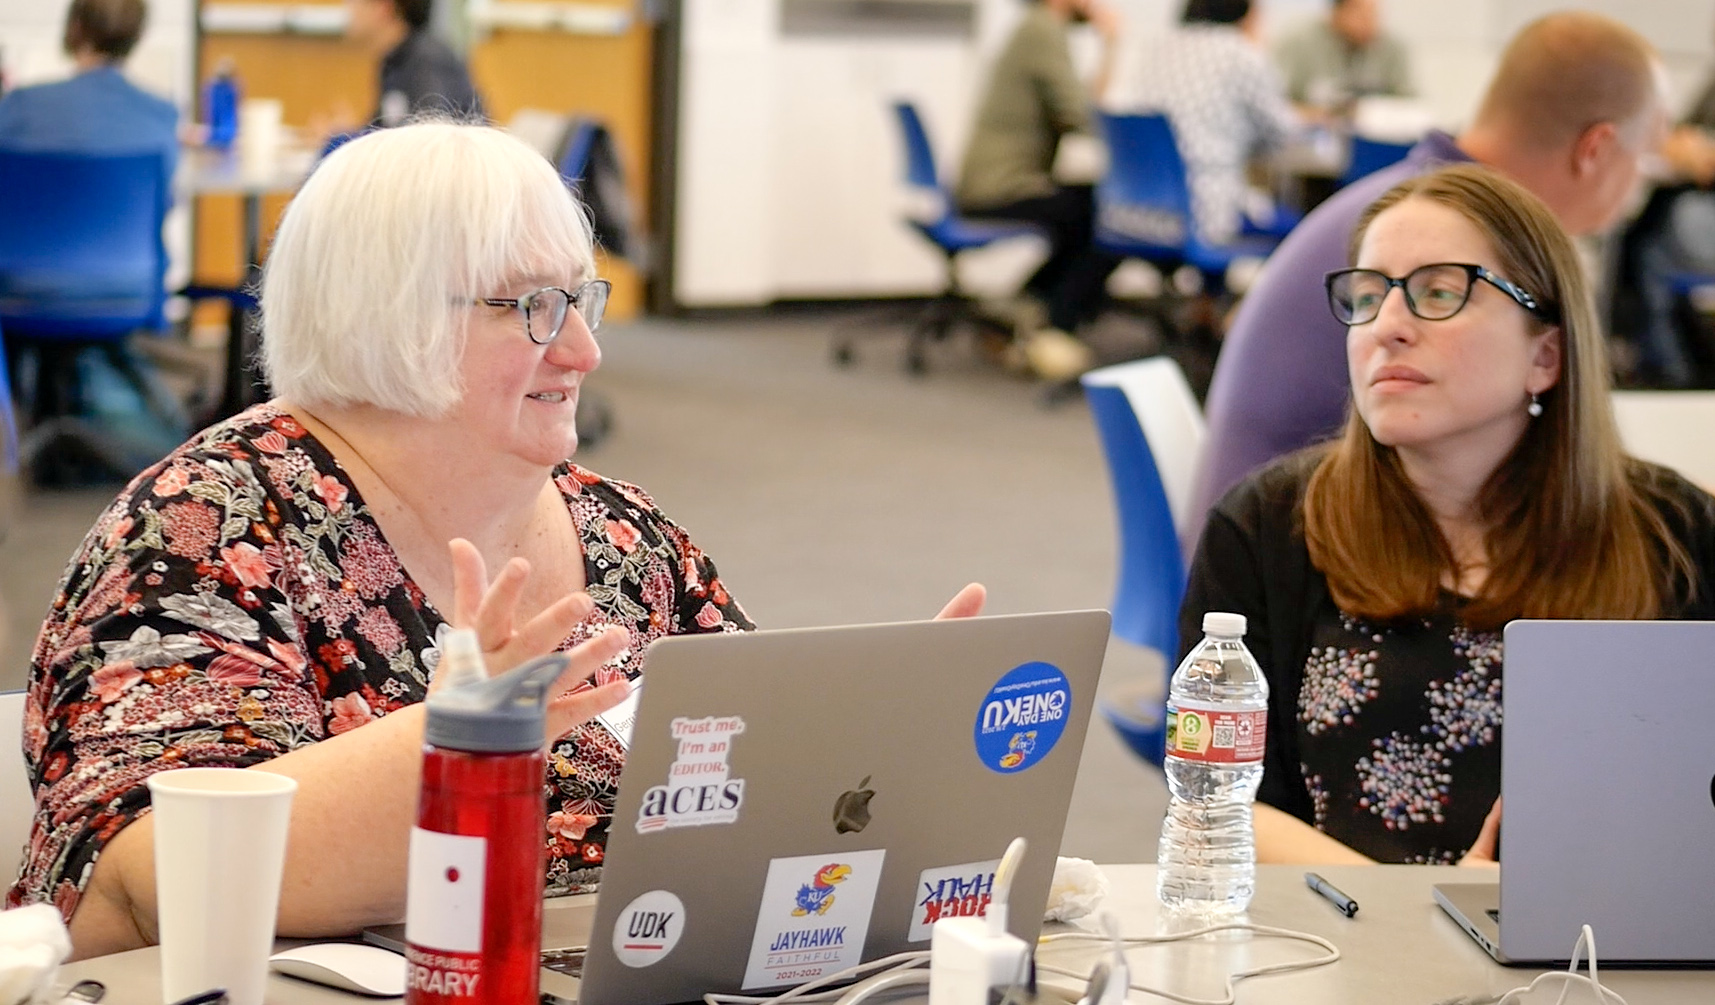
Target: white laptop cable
1332	956
1570	976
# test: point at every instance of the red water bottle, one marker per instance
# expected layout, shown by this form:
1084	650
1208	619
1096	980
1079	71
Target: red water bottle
473	915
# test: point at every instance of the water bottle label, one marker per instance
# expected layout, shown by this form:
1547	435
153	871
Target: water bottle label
443	914
1215	735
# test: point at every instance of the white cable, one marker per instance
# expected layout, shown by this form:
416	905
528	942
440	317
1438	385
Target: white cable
1570	976
1333	955
818	990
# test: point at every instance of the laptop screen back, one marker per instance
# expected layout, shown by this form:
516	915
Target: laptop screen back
793	801
1608	788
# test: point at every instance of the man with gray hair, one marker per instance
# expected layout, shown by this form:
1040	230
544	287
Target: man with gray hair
1576	103
97	111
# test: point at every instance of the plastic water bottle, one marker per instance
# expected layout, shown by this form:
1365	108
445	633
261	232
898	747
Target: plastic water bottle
1217	718
220	101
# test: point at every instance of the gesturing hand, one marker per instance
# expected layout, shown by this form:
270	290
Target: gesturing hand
491	609
967	603
1486	849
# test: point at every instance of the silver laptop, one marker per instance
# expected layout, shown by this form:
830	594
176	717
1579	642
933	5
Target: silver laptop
795	802
1608	789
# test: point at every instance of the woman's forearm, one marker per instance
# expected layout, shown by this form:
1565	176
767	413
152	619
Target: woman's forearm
345	853
1285	839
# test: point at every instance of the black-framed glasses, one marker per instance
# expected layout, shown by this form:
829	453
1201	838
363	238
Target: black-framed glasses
1433	292
545	309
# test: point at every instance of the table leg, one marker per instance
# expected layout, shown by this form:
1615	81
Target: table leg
243	385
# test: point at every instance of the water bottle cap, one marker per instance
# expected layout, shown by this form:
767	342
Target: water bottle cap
1224	625
500	715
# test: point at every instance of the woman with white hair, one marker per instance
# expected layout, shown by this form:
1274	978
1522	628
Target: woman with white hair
276	583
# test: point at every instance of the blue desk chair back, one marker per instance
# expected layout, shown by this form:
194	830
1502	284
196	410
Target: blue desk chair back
1370	155
8	421
82	267
933	214
81	253
1152	431
1143	204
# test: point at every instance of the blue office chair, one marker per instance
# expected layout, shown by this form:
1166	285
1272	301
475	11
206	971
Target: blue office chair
1151	430
82	265
1369	156
951	233
1143	205
8	420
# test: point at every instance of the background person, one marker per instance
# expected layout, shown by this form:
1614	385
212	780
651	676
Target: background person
1479	478
97	111
1328	63
268	596
419	73
1575	104
1225	102
1034	98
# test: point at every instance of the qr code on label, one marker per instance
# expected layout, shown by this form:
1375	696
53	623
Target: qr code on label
1223	735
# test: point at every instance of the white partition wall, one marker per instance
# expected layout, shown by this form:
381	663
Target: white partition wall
789	161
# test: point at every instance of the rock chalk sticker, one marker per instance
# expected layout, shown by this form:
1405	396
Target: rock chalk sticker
648	928
814	917
1022	717
952	891
698	791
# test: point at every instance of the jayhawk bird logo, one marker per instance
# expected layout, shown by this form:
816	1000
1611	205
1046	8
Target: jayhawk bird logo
816	896
1021	746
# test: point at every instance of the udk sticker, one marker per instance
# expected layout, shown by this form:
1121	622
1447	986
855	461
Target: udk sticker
1022	717
648	928
698	791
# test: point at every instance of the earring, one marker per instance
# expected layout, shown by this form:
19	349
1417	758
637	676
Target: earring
1533	409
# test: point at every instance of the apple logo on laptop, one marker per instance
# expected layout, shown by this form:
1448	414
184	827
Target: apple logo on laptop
851	810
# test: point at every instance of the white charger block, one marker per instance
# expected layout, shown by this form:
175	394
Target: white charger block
967	957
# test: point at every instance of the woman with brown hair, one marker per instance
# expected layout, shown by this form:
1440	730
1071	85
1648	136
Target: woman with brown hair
1479	479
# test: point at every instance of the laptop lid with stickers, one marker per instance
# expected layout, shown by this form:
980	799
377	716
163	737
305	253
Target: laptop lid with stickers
796	802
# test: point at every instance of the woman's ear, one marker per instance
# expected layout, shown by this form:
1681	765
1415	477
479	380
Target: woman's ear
1545	361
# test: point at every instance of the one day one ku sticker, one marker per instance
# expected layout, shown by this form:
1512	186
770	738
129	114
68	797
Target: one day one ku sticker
814	917
1022	716
698	791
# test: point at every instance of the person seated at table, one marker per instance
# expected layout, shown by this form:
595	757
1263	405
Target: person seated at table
419	73
1479	478
1225	102
1675	236
97	111
269	594
1330	62
1574	106
1035	98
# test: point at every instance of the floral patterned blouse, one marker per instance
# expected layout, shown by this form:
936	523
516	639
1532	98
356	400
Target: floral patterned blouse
238	601
1400	734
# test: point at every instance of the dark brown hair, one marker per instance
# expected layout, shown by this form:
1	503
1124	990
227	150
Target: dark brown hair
108	27
1573	528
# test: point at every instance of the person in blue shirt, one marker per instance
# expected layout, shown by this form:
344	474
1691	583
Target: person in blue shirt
97	111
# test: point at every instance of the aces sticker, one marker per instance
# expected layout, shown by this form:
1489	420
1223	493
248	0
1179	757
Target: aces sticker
698	791
1021	718
648	928
814	917
954	891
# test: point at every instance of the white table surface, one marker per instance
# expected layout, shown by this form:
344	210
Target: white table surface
1400	949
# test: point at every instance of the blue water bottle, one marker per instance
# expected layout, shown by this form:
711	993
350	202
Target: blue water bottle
220	100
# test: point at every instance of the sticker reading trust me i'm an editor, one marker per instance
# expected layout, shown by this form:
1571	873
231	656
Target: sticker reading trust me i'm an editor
1021	718
814	917
698	791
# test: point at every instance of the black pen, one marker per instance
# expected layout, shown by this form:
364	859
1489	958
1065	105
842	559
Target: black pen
1345	904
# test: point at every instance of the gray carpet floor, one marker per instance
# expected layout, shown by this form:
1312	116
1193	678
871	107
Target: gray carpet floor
825	496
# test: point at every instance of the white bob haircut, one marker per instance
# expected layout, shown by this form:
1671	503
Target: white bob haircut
365	296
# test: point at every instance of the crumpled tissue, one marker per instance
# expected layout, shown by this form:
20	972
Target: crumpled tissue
33	941
1078	886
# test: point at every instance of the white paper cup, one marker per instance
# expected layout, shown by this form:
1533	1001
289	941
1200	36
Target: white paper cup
220	847
260	131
